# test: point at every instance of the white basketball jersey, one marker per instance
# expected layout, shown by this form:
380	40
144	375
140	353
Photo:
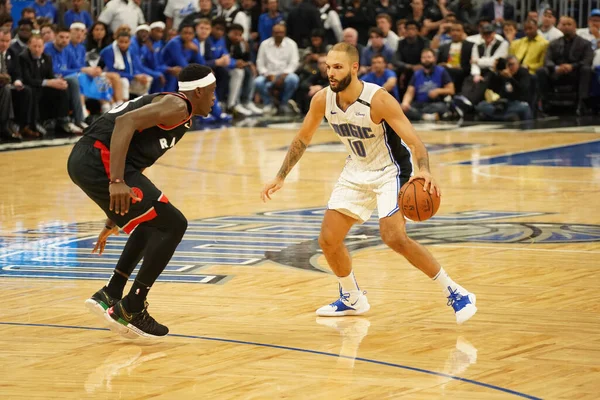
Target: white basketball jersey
371	146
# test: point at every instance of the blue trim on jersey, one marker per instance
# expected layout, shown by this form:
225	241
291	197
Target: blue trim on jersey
397	167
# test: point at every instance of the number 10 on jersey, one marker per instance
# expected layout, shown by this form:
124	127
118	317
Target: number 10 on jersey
357	147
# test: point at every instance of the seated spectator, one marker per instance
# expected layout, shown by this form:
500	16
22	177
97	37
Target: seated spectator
76	14
401	28
350	36
408	56
428	87
64	66
276	62
48	32
142	47
458	56
488	52
241	78
267	20
178	53
217	57
19	43
157	31
5	7
416	12
391	8
478	38
511	83
434	14
207	11
331	22
29	13
377	46
382	76
44	8
384	22
118	58
97	38
568	62
547	29
50	95
592	32
312	84
15	98
443	34
310	56
232	14
531	49
177	10
498	11
117	13
509	30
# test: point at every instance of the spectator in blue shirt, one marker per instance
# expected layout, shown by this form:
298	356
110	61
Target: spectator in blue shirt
141	47
427	88
268	19
377	47
64	65
45	9
218	57
76	14
382	76
118	58
178	53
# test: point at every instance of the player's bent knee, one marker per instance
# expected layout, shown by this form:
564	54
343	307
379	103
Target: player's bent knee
171	219
329	241
395	239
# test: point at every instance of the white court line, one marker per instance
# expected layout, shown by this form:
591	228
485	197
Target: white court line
476	171
517	249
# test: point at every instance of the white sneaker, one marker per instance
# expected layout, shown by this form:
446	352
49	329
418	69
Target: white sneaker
71	128
240	109
463	304
253	108
270	109
343	306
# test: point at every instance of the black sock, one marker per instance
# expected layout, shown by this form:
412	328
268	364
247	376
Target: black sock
116	284
131	256
134	301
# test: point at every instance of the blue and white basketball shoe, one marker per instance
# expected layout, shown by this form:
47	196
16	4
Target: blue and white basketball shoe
343	306
463	304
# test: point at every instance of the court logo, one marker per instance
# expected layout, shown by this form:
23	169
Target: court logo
288	238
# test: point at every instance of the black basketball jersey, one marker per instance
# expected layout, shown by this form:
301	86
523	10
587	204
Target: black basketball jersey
148	145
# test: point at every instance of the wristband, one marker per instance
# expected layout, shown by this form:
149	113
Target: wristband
116	181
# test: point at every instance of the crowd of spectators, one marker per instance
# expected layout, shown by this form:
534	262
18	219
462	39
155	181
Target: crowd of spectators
441	59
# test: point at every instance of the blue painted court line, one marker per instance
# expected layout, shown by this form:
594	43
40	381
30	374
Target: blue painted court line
576	155
321	353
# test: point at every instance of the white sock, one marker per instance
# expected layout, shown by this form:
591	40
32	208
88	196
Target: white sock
349	285
447	283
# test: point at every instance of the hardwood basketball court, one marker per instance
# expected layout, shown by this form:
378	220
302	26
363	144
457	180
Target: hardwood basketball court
518	225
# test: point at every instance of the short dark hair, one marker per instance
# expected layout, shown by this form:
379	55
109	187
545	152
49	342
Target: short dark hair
318	32
428	50
236	27
193	72
487	20
49	25
509	23
219	21
27	10
183	26
377	56
530	21
23	22
413	23
376	31
63	29
5	18
123	33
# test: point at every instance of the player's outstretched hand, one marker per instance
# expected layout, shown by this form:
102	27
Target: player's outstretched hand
271	188
101	242
430	182
120	197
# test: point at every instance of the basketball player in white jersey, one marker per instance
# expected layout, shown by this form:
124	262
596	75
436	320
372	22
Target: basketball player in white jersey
377	134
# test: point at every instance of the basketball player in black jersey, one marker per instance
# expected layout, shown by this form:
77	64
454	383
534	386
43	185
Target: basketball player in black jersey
107	164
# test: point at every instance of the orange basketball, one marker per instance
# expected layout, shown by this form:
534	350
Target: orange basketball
417	204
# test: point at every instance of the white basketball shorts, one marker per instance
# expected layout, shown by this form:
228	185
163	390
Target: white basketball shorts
358	191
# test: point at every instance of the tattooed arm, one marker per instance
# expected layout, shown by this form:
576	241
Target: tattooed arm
299	144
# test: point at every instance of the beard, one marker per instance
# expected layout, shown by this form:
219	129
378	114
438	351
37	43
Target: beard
343	84
427	65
